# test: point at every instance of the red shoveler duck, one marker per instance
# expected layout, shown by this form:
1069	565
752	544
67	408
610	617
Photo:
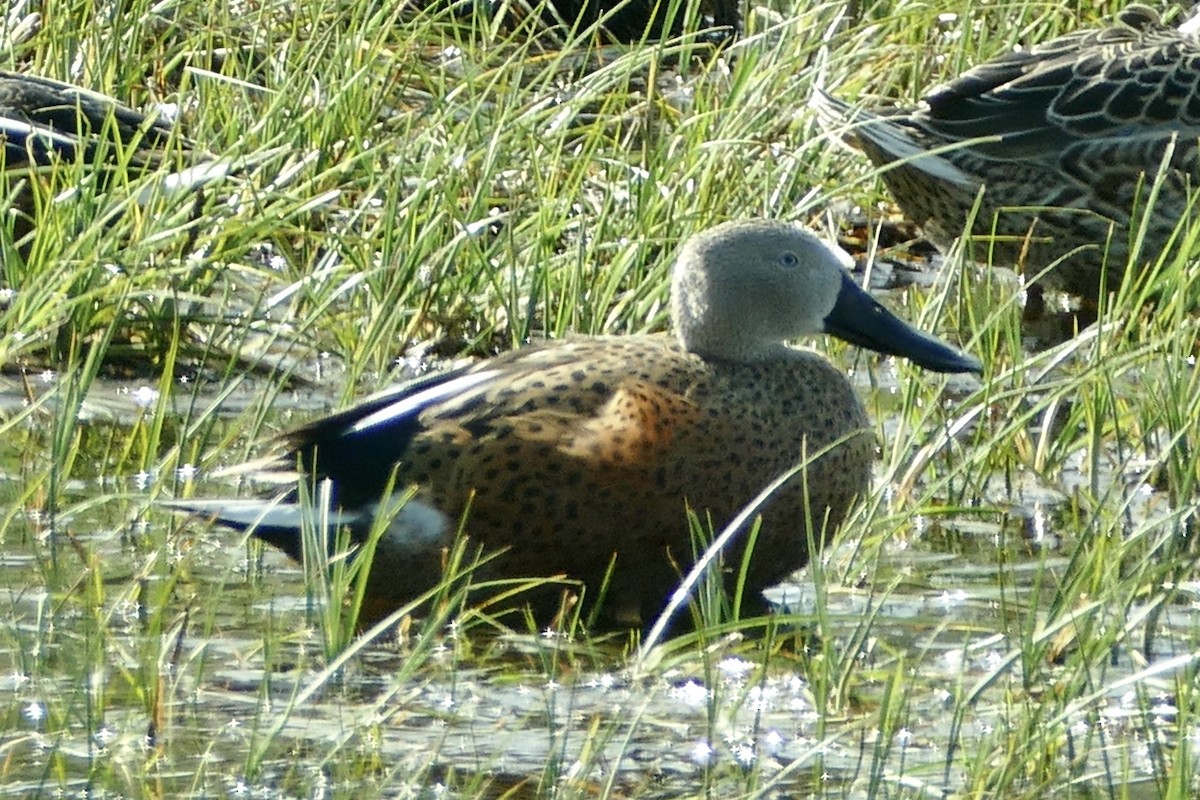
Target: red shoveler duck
574	455
1081	152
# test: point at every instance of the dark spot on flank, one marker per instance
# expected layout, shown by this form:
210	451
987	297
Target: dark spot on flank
478	428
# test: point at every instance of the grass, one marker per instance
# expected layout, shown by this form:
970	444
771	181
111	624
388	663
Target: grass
1010	613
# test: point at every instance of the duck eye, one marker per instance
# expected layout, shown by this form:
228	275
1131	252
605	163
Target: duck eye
789	260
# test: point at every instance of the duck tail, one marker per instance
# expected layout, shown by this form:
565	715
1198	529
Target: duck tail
277	522
855	126
887	140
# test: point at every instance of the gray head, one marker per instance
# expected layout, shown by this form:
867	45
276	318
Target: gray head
742	289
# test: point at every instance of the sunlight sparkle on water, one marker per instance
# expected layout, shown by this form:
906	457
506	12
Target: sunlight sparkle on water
952	661
144	396
701	753
949	600
743	753
993	660
735	668
761	698
605	680
1164	710
35	712
692	694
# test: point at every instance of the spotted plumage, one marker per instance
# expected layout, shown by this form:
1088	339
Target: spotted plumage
1066	140
573	454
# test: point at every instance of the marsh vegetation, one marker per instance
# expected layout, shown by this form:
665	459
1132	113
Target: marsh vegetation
1011	612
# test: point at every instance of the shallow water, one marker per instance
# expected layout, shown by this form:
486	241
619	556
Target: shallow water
139	656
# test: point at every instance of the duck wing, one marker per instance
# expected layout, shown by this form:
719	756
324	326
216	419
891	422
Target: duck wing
537	393
1133	86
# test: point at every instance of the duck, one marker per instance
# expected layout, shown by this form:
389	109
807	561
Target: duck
580	458
46	123
1079	152
613	22
42	119
717	23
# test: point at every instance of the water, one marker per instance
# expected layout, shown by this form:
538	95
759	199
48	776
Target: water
139	655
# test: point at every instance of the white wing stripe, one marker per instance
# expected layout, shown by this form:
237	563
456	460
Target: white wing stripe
414	404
